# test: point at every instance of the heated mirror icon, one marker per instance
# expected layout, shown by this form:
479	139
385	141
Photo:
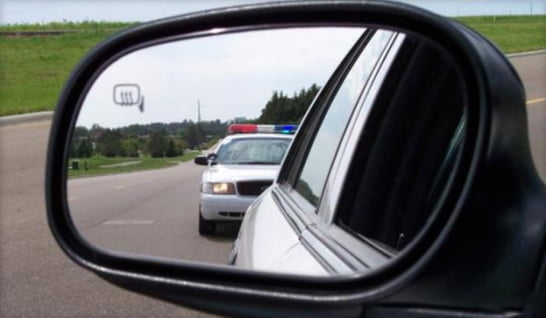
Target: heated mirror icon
128	95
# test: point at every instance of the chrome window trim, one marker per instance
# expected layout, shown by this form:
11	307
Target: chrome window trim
300	147
365	250
290	205
376	59
329	258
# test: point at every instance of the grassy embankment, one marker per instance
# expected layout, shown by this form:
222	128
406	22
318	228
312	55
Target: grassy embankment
99	165
511	33
33	69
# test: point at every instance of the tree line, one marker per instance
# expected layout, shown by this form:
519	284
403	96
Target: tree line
282	109
171	139
156	139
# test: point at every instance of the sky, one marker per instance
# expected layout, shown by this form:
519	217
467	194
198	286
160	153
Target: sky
230	76
33	11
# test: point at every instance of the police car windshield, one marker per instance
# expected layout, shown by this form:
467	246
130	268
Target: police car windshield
267	151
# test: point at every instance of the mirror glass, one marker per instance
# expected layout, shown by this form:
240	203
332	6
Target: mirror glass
175	142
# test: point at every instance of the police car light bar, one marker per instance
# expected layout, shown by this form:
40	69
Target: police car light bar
251	128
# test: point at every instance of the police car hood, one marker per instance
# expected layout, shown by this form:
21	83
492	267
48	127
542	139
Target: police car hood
234	173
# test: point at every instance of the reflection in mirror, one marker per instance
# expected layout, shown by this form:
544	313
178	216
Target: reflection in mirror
175	143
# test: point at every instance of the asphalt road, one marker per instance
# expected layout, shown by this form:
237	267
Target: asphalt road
532	70
37	280
148	213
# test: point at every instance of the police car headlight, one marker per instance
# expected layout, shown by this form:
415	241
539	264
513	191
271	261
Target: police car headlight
218	188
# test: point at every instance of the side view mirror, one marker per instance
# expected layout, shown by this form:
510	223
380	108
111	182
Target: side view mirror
407	191
201	160
211	156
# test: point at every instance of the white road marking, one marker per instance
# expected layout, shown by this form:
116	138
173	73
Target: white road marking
128	222
536	100
119	187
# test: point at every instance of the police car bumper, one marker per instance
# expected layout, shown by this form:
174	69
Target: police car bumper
224	207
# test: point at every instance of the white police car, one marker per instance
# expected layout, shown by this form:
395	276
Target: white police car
243	165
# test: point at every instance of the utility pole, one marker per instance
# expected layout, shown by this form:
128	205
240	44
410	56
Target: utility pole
531	5
198	111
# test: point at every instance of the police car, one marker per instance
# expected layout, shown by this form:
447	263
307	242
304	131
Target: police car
241	167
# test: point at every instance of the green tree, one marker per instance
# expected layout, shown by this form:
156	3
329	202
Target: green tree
84	149
131	147
182	144
80	131
194	135
281	109
74	149
173	149
111	143
157	144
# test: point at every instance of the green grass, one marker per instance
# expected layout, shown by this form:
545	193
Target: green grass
85	26
33	69
511	33
146	163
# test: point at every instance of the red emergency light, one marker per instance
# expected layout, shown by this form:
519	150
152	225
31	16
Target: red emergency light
252	128
242	128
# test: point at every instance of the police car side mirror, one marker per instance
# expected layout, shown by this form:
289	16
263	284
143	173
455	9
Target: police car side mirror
201	160
407	191
211	157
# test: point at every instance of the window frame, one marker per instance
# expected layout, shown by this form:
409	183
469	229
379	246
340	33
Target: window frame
297	210
296	157
297	172
359	253
357	123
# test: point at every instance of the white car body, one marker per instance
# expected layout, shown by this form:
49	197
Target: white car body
229	207
248	180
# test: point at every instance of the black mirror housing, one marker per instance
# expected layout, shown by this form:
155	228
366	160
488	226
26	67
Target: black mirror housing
200	160
494	206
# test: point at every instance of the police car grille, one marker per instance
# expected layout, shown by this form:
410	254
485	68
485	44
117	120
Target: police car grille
252	187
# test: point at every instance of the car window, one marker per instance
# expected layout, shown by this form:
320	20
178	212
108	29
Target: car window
252	151
388	207
317	165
